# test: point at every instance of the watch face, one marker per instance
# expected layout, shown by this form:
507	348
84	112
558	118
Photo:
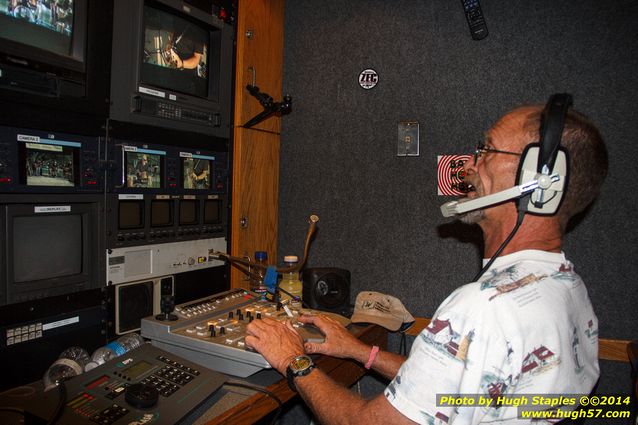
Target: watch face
300	363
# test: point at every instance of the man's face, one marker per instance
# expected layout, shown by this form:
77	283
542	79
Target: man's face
494	172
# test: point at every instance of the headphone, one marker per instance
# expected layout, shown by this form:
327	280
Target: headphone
541	178
546	161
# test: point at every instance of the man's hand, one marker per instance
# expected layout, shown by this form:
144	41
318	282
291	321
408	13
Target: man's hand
278	342
338	342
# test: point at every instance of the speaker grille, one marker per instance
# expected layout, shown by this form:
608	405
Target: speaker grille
330	290
327	288
135	303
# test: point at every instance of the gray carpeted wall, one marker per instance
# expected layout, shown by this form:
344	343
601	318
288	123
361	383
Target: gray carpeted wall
379	213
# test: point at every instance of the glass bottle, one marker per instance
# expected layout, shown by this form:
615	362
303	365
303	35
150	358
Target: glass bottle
257	284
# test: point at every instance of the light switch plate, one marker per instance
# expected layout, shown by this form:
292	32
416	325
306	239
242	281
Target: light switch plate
408	138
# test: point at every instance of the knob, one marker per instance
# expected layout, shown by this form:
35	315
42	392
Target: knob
141	396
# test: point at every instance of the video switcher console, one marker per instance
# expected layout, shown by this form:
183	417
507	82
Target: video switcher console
211	331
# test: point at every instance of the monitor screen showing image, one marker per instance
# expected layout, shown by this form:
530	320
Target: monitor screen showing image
49	165
196	173
45	24
175	53
143	170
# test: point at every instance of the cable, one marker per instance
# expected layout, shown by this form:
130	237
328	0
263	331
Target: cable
270	394
403	345
60	406
519	221
12	409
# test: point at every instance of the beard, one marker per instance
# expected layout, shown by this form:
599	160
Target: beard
471	217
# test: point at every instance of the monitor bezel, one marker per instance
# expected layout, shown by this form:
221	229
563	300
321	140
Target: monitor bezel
73	65
86	279
130	97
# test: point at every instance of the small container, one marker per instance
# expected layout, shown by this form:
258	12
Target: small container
257	285
70	363
114	349
290	285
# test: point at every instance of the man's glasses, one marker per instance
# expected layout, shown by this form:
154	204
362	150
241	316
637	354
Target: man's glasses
481	150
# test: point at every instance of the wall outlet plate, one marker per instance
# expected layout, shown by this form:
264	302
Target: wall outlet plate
408	138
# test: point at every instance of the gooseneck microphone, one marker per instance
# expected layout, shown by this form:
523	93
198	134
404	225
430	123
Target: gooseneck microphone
247	266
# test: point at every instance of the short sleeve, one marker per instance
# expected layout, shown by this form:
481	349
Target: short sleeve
457	354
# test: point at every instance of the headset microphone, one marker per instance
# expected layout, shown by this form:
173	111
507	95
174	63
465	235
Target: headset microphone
542	170
542	184
459	207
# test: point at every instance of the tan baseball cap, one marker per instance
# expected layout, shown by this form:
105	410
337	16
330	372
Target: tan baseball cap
381	309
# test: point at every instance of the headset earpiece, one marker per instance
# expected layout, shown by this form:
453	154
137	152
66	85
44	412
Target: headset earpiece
546	161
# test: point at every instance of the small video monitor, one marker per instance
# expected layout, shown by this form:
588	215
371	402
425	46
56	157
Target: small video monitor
49	164
143	169
188	212
212	211
196	172
161	213
131	214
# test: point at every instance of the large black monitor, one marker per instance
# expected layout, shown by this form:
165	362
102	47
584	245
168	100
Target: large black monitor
49	245
171	66
52	56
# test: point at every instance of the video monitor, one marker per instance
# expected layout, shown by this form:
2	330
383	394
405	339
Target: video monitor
188	212
196	172
144	169
161	213
131	214
49	164
213	211
47	247
45	24
175	53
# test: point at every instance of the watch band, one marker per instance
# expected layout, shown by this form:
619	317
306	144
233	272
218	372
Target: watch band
291	374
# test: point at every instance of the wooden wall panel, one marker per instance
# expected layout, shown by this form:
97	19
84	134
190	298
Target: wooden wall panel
255	193
260	43
255	197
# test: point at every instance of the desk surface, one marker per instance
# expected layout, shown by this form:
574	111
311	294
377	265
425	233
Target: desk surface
241	406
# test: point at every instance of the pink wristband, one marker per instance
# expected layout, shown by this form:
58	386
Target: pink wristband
373	355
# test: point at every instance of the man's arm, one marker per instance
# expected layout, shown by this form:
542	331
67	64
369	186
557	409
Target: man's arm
279	343
340	343
190	63
335	404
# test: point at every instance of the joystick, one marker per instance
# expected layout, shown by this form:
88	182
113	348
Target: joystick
167	305
141	396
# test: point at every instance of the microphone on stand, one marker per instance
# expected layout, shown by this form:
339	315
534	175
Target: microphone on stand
247	266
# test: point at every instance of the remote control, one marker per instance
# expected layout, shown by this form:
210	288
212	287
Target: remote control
475	19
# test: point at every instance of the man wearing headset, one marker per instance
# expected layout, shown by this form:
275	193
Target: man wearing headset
525	326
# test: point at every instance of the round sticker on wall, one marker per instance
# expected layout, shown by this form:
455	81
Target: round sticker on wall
368	78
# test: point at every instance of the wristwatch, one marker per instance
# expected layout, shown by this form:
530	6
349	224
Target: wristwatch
299	366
